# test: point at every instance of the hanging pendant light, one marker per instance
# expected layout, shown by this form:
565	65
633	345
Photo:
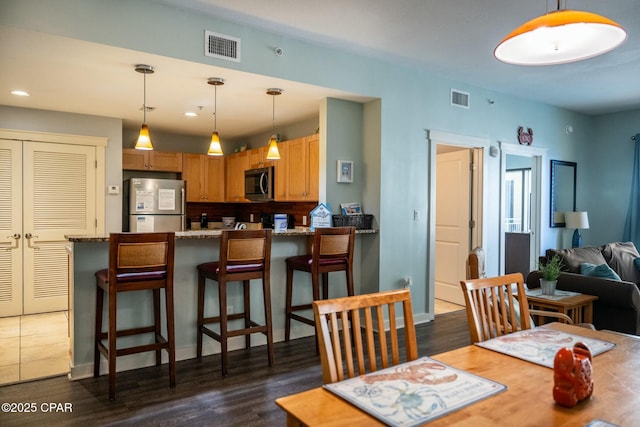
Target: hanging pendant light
559	37
272	151
144	140
215	149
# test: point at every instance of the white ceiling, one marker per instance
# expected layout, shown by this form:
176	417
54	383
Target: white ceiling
454	38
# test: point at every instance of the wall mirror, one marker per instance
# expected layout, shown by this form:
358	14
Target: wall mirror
563	191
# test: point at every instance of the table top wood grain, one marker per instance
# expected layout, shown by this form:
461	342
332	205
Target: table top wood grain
528	400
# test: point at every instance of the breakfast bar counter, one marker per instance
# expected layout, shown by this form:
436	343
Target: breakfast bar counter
90	253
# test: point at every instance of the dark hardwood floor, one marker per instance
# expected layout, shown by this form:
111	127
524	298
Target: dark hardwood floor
245	397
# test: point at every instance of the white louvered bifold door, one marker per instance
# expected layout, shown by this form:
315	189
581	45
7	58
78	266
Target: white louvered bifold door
59	199
10	228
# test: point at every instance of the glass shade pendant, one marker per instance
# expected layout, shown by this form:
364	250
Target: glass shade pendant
144	139
215	149
272	152
560	37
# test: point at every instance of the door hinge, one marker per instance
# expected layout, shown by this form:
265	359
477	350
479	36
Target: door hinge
95	164
472	166
472	224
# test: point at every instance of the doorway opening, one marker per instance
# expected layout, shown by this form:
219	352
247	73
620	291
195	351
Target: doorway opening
457	177
520	214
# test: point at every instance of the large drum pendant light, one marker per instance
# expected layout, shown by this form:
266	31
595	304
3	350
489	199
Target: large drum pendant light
144	139
215	149
272	151
559	37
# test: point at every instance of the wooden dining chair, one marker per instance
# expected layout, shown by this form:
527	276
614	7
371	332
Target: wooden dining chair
475	264
498	306
335	336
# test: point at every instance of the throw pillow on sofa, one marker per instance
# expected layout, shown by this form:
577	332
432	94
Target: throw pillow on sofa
574	257
602	270
621	256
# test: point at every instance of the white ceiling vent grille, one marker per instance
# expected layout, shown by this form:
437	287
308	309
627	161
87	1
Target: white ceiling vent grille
221	46
460	99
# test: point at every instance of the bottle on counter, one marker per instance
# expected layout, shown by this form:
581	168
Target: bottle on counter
204	221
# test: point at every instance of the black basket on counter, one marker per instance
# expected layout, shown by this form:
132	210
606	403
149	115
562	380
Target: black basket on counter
360	222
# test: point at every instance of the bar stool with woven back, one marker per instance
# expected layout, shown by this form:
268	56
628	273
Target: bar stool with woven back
331	251
244	255
137	262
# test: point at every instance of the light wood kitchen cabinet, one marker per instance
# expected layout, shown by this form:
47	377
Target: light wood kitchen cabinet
151	160
235	165
258	158
299	175
205	177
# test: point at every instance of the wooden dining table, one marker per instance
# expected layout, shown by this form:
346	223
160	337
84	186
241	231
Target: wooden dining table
528	400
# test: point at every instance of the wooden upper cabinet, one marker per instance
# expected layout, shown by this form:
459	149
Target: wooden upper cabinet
151	160
299	169
205	177
258	158
235	165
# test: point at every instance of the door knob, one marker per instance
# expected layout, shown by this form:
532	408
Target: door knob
14	236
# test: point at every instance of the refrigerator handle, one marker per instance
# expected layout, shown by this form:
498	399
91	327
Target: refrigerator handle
184	208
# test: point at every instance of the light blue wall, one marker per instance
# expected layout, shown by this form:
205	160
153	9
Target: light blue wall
604	176
395	157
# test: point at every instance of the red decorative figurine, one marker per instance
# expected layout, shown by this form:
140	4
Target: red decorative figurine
572	375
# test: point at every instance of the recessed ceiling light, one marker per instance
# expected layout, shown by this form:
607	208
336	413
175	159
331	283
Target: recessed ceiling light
191	114
20	93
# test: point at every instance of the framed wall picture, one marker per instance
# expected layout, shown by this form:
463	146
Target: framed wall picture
345	171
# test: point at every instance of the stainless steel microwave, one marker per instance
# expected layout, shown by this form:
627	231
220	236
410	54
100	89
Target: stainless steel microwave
258	184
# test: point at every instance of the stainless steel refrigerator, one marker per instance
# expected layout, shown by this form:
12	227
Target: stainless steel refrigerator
153	205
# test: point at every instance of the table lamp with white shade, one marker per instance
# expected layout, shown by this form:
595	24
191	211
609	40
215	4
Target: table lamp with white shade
579	221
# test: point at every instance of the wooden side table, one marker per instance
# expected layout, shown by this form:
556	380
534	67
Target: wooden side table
579	307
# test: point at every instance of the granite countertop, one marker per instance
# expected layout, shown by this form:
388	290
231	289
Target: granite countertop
203	234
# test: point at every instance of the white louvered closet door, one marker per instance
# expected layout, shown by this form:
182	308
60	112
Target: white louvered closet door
58	199
10	228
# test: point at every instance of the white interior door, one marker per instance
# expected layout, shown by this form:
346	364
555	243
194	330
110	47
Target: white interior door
10	228
453	195
58	199
47	190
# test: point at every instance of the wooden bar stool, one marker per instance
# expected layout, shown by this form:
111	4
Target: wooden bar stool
331	250
244	255
137	261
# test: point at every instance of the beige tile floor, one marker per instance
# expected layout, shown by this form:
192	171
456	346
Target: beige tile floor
442	306
33	346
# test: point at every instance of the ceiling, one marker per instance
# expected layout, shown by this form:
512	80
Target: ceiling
452	38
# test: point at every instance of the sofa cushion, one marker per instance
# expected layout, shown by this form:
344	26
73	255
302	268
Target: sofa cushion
602	270
572	258
621	257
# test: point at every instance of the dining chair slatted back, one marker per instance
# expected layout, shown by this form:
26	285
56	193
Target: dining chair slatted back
342	348
495	307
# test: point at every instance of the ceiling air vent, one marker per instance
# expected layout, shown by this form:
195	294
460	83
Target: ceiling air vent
460	99
221	46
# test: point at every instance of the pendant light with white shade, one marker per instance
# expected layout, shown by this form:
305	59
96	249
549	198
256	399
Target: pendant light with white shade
560	36
215	149
272	152
144	139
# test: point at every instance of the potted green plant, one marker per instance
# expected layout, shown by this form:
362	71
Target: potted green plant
550	273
